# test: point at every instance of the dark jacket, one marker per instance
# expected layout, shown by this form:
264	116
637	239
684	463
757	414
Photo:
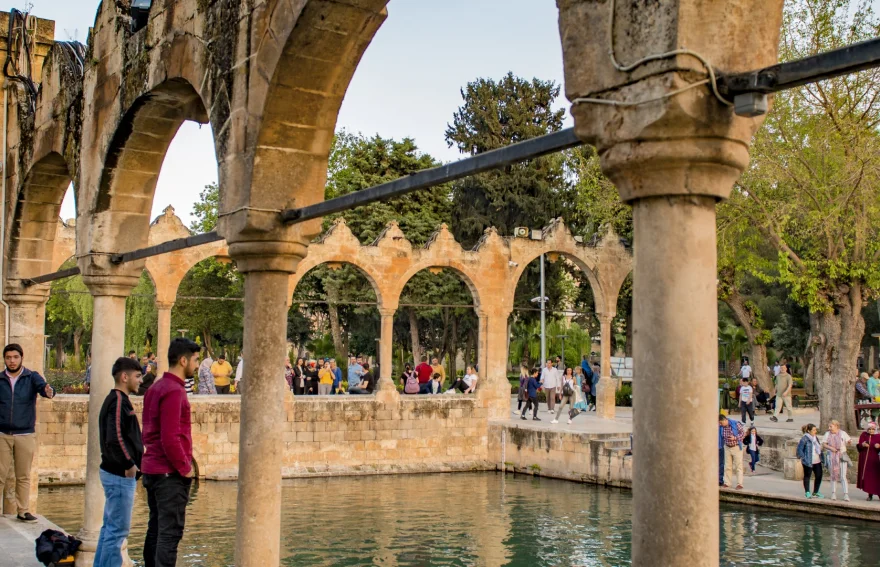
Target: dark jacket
532	387
18	414
121	444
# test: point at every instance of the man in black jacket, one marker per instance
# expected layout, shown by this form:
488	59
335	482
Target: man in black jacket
121	452
19	388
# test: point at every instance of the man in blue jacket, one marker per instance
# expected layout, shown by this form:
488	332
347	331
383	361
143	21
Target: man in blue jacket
18	415
730	437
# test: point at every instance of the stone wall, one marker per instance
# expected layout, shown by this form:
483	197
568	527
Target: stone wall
584	457
339	436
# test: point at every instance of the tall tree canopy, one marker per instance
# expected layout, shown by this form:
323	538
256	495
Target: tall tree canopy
812	193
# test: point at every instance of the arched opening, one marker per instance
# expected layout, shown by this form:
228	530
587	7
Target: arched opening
208	307
570	311
35	220
122	207
437	319
334	315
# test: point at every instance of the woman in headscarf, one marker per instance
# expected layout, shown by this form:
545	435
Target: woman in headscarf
206	379
868	478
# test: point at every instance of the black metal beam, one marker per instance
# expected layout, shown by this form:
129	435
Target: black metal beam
165	247
51	277
834	63
536	147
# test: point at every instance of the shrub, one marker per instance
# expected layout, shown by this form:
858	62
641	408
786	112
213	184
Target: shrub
63	380
623	396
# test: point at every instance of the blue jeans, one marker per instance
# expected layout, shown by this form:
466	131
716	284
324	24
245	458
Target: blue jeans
721	465
119	492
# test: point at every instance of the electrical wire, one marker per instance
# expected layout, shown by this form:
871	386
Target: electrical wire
711	80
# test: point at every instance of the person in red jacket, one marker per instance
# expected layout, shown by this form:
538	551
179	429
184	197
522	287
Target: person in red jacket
424	372
167	462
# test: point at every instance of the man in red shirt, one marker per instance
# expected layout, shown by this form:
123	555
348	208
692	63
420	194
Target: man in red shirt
167	462
424	372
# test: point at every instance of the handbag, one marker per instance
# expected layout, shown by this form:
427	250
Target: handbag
572	413
567	390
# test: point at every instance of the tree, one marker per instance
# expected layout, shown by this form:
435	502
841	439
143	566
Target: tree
69	316
141	315
206	209
812	193
218	321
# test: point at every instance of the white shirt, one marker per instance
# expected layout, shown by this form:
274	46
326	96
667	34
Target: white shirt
843	435
239	370
469	379
776	370
745	394
746	371
549	377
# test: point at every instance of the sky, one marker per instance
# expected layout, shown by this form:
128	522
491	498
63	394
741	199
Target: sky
407	84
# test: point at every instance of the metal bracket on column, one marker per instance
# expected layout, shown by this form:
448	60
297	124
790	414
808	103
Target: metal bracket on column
749	89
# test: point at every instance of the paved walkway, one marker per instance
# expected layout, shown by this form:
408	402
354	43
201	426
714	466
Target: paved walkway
17	548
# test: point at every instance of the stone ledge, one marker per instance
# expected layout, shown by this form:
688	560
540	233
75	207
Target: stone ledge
792	504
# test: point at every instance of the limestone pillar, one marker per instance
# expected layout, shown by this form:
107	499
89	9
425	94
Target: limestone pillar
493	389
387	391
673	149
606	387
108	344
163	341
27	327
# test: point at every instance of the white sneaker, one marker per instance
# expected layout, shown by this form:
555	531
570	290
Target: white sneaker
514	412
833	496
555	421
846	497
569	422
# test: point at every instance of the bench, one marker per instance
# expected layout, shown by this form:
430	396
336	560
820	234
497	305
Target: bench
800	398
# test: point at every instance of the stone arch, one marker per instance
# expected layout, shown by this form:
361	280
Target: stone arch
121	204
308	53
313	261
584	264
461	269
35	219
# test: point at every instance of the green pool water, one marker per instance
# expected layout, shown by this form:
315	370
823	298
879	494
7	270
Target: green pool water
468	519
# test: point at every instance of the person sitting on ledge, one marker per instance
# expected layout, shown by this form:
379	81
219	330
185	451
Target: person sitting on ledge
436	384
466	384
367	384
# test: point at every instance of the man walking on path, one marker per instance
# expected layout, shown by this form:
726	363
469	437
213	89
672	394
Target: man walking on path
746	401
121	453
19	388
549	380
221	371
731	434
783	394
167	462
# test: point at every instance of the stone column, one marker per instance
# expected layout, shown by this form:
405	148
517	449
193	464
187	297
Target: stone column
494	391
606	387
163	341
673	149
27	326
108	344
387	391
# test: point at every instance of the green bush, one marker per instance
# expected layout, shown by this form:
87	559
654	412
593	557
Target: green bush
59	379
623	396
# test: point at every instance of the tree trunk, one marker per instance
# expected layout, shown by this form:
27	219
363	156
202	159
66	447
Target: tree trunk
77	346
59	353
837	337
414	335
335	327
757	349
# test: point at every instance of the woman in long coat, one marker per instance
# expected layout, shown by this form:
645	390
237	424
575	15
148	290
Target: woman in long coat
869	461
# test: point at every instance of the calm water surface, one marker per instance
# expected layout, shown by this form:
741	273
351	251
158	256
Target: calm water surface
474	519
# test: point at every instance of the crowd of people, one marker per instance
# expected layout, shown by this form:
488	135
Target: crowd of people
574	388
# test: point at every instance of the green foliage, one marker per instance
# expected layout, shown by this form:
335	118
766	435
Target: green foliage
141	316
811	192
61	379
623	396
530	193
206	209
69	314
217	322
732	342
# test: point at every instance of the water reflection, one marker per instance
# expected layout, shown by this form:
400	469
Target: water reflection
474	519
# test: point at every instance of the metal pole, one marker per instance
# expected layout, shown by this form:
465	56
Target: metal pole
543	317
563	353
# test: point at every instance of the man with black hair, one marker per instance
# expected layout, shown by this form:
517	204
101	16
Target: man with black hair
121	453
167	463
132	355
19	388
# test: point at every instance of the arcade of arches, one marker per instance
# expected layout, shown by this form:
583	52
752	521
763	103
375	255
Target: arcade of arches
270	76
